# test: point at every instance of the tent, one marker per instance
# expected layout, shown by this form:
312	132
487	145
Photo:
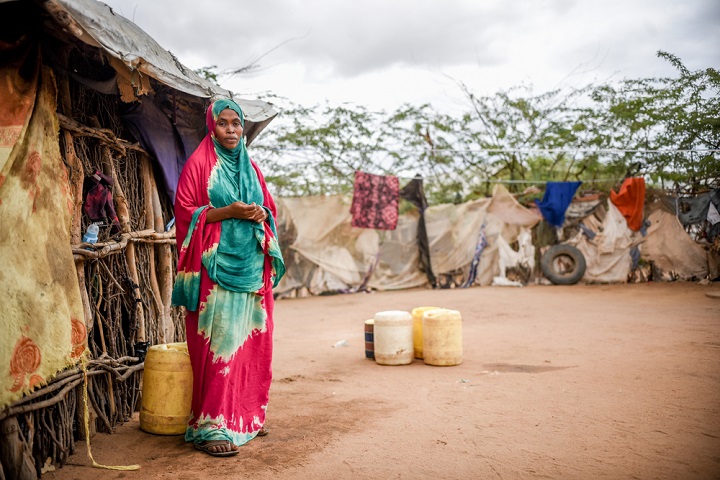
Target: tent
324	253
613	251
473	243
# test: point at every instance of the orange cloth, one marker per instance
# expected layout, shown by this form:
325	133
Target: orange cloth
630	200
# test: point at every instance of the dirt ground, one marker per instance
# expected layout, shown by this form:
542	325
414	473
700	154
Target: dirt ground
578	382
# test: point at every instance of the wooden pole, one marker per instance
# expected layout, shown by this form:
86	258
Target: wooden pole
123	213
119	198
121	208
15	456
140	335
77	176
164	259
148	182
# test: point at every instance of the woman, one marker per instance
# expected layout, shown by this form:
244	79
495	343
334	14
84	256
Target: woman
229	261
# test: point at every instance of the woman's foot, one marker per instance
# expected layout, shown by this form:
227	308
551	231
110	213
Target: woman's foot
262	432
217	448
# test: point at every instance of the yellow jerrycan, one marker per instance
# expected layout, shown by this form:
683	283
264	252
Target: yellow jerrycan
167	389
442	337
417	315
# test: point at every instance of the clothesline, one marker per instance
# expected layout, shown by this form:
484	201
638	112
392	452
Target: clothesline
405	178
600	180
616	151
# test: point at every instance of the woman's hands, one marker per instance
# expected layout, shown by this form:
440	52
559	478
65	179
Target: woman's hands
244	211
239	210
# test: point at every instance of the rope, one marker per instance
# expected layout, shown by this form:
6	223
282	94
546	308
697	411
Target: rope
86	418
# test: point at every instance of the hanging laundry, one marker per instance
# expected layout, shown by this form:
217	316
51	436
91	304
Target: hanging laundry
99	200
630	201
556	200
692	210
375	201
414	193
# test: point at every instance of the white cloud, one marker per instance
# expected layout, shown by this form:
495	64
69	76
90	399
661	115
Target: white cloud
383	53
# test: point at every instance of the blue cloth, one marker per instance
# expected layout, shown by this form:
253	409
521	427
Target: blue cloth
558	196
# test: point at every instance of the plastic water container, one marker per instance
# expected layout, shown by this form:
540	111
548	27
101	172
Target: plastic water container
393	341
91	234
442	337
417	314
369	339
167	389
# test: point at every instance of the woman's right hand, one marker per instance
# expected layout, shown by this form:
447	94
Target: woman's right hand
239	210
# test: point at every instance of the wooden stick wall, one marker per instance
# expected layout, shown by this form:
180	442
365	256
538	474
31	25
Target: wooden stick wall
125	281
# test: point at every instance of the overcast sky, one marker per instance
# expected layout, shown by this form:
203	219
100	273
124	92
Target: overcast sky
381	53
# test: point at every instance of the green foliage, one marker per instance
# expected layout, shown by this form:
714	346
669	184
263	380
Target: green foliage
667	115
315	151
515	136
209	73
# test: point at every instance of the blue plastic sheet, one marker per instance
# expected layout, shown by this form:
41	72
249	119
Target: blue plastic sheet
159	137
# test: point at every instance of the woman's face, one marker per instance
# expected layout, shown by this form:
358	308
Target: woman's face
228	129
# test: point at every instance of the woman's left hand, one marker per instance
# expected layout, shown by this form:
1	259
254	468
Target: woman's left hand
259	214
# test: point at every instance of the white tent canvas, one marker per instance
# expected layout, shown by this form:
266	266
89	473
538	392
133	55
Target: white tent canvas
325	253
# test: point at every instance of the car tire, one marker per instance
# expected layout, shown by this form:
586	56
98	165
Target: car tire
563	265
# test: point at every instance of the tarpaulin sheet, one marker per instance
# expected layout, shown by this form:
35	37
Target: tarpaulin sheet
127	42
324	253
159	137
692	210
671	249
136	56
607	253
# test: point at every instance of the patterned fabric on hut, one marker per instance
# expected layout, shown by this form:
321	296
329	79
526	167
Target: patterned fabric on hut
42	332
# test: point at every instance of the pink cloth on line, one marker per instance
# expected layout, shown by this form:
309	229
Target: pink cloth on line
375	201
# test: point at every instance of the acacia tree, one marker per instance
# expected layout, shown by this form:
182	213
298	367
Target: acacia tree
676	119
515	135
503	137
315	151
597	133
512	136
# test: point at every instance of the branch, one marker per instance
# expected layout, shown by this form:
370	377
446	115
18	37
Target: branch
105	135
253	65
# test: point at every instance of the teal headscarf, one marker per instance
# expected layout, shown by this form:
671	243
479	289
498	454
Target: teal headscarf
237	263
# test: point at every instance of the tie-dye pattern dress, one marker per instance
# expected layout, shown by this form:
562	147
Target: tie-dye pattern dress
226	272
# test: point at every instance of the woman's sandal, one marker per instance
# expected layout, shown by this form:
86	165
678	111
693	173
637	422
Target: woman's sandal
262	432
207	447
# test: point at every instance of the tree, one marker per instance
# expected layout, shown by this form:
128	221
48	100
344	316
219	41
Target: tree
209	73
598	134
315	151
676	119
